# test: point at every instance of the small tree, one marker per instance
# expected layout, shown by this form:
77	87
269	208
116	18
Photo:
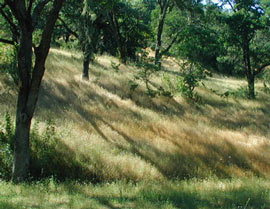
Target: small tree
27	15
247	22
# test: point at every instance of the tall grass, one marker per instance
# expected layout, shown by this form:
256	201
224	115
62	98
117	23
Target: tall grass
104	134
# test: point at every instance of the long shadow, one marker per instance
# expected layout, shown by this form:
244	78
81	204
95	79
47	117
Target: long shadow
68	100
225	119
189	162
55	158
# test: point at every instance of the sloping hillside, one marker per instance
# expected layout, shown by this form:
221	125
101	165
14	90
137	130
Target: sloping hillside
113	133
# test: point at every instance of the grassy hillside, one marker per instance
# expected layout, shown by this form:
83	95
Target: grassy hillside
106	132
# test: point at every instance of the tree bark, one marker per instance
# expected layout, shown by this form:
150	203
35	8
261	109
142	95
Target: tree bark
29	77
163	14
23	119
251	87
249	71
21	152
86	62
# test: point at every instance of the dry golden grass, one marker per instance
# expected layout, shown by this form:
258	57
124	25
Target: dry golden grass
118	136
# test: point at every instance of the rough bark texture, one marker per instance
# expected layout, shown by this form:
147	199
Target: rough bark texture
29	79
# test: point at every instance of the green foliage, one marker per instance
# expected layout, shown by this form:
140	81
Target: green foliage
200	45
192	76
241	92
115	66
49	156
9	62
133	85
6	147
146	71
43	150
169	88
266	81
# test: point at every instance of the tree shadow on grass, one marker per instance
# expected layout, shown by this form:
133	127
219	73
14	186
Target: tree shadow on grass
53	158
181	164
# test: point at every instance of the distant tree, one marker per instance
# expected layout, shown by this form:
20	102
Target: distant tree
23	18
248	26
201	37
128	28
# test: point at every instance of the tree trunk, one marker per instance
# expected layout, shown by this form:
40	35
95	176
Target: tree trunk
163	13
85	73
123	54
23	118
29	77
249	71
22	151
251	87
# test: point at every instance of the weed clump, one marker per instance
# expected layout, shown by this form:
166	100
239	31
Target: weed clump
50	157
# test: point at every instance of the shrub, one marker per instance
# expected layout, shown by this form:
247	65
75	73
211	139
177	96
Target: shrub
6	148
192	76
9	62
50	157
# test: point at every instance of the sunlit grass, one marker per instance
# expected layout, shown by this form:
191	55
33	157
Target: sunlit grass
116	136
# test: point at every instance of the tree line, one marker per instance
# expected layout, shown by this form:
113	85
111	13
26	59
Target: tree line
231	37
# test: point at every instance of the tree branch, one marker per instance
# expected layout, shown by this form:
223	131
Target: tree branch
261	68
7	41
18	9
41	53
68	28
30	5
171	44
37	11
14	28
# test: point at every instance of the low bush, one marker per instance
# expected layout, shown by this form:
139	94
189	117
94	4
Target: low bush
50	157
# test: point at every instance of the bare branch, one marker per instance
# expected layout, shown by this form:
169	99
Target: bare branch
7	41
68	28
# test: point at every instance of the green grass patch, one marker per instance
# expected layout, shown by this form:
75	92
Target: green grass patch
234	193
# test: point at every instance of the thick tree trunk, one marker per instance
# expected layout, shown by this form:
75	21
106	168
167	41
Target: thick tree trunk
22	150
23	118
